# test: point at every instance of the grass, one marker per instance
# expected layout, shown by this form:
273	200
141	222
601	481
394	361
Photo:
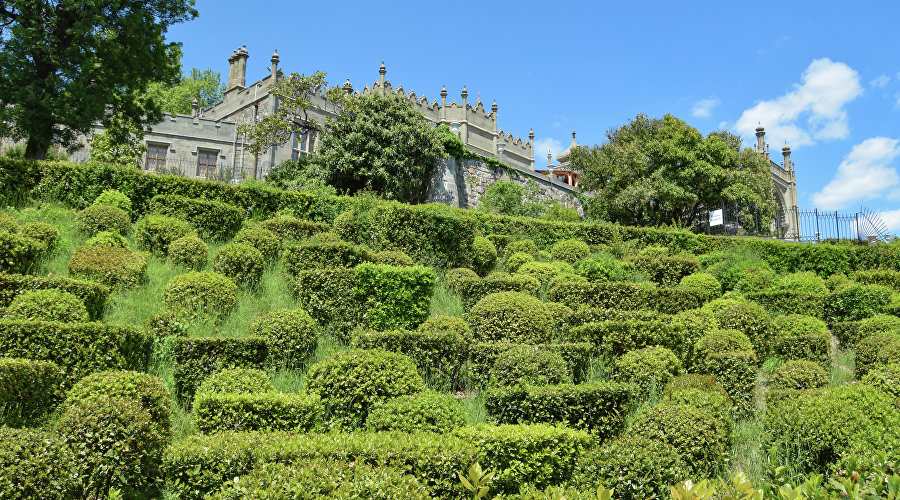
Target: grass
747	453
444	302
843	368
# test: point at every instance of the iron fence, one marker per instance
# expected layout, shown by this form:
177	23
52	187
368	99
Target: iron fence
811	226
224	171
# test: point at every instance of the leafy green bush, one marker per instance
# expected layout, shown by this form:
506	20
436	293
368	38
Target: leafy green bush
515	261
797	324
698	435
144	388
156	232
426	411
665	270
394	297
570	251
189	251
511	316
28	390
8	223
213	219
799	374
35	463
200	294
261	239
18	254
884	277
617	337
705	282
46	236
625	295
93	295
352	382
877	349
523	245
736	371
804	282
473	290
886	378
846	333
113	198
602	267
267	411
393	258
96	218
484	255
291	334
694	324
236	381
287	228
107	239
698	381
878	324
454	277
329	297
116	445
110	266
856	301
634	467
599	408
647	368
529	365
242	263
577	355
544	272
322	238
307	256
716	403
197	358
538	454
752	320
47	305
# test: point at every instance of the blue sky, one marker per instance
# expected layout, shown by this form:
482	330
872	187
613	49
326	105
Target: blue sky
822	76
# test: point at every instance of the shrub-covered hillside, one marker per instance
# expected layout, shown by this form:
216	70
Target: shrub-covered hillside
163	337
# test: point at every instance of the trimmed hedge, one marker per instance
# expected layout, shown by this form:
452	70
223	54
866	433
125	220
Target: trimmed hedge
393	258
626	295
291	334
698	381
526	364
599	408
617	337
877	349
236	381
484	354
110	266
665	270
189	251
856	301
884	277
454	277
472	290
94	295
790	302
270	411
570	251
329	297
484	255
634	468
423	412
114	198
798	375
213	219
847	333
736	371
28	390
704	282
886	378
47	305
394	297
517	260
18	254
716	403
35	463
200	294
197	358
647	368
46	236
261	239
752	320
287	228
511	317
306	256
107	239
242	263
156	232
97	218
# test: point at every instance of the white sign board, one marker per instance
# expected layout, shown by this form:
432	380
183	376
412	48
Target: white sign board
716	218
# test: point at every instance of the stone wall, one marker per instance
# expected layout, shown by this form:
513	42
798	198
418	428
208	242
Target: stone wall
461	183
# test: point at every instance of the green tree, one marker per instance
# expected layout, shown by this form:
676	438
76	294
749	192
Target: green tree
124	147
68	64
658	171
512	198
206	87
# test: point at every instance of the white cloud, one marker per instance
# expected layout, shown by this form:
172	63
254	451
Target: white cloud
891	219
541	146
813	110
865	173
880	82
703	108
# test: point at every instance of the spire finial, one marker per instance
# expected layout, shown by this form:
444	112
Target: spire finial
382	70
465	93
494	106
444	91
531	135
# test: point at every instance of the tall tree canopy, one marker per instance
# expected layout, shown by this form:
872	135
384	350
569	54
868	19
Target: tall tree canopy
204	86
656	171
66	64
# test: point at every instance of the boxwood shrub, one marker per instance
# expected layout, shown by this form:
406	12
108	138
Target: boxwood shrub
189	251
634	467
267	411
814	347
752	320
213	219
790	302
242	263
28	390
512	317
236	381
291	334
18	254
484	255
328	295
107	239
704	282
647	368
35	463
47	305
884	277
570	251
110	266
394	297
261	239
698	381
473	290
857	301
197	358
530	365
599	408
736	371
846	333
393	258
352	382
625	295
8	223
886	378
576	354
799	374
200	295
96	218
426	412
516	260
698	435
877	349
453	278
617	337
803	282
46	236
715	403
307	256
93	295
156	232
524	245
878	324
665	270
288	229
114	198
544	272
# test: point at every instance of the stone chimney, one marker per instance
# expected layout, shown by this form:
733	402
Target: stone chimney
760	140
274	66
237	69
786	151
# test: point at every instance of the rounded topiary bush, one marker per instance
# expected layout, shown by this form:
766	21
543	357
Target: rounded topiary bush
647	368
426	411
714	402
47	305
791	325
544	272
512	317
634	467
698	435
570	251
351	382
200	294
41	232
29	389
242	263
720	341
754	279
96	218
324	237
515	261
115	444
877	349
17	253
879	323
524	246
805	281
394	258
113	198
856	301
445	324
698	381
107	239
261	239
237	381
601	267
886	378
751	319
291	335
484	255
8	223
706	283
454	276
529	365
165	326
156	232
189	251
348	227
799	374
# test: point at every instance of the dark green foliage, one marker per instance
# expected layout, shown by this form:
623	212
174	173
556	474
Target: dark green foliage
736	371
96	218
617	337
46	236
166	324
599	408
200	294
291	334
699	436
814	347
665	270
261	239
798	374
570	251
393	258
111	266
801	282
242	263
197	358
754	279
537	454
752	320
624	295
94	295
146	389
846	333
117	445
529	365
510	316
877	349
716	403
236	381
526	246
425	412
507	197
856	301
28	390
484	255
268	411
8	223
647	368
430	234
472	290
18	254
544	272
35	463
634	467
107	239
394	297
213	219
47	305
156	232
77	348
602	267
189	251
790	302
704	282
328	295
113	198
287	228
577	356
453	278
308	256
878	324
352	382
516	260
690	381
